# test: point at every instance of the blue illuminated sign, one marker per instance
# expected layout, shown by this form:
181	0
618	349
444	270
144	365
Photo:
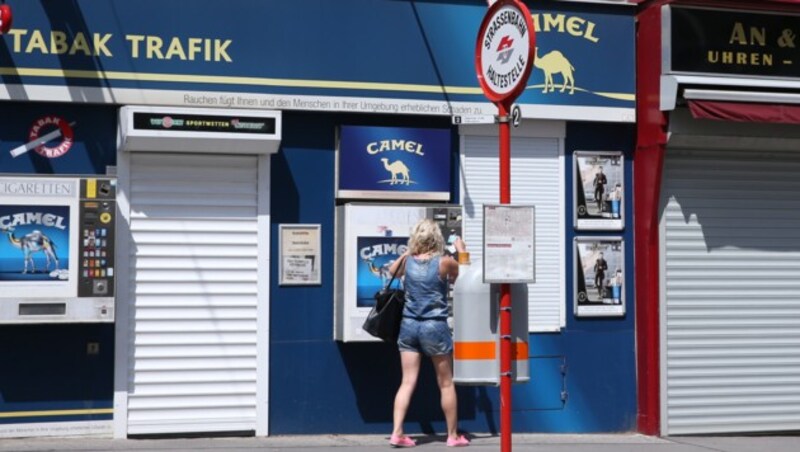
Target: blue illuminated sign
383	56
394	163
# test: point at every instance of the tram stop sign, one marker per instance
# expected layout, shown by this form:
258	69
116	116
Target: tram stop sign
504	52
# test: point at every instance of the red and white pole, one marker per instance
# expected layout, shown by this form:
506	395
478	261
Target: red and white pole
504	54
505	289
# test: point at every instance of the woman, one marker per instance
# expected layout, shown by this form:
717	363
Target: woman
424	328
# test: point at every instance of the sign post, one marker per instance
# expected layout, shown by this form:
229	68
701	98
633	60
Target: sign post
504	54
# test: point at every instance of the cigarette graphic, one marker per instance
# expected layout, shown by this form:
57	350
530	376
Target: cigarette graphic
16	152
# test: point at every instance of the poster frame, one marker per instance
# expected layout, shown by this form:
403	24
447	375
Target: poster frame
316	247
599	222
582	306
487	254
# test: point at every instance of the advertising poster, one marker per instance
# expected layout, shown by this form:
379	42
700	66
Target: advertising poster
375	256
35	243
393	163
599	191
599	276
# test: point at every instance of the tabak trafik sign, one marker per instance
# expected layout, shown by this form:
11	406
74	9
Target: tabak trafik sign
504	51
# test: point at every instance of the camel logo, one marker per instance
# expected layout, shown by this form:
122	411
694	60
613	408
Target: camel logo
36	242
396	168
394	163
555	63
375	256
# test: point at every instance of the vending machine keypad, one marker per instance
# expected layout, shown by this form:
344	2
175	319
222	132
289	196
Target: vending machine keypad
96	247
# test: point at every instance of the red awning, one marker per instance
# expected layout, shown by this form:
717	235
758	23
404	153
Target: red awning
745	111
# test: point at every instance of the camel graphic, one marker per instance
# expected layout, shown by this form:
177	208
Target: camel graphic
381	272
395	168
33	242
555	63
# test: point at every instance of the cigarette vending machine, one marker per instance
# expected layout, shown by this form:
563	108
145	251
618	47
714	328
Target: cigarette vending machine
57	249
369	238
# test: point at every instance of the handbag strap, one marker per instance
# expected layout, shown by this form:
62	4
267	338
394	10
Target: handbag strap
394	275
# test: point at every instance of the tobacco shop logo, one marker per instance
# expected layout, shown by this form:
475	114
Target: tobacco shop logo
49	136
398	172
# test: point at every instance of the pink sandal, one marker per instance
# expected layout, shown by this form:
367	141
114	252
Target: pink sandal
401	441
461	441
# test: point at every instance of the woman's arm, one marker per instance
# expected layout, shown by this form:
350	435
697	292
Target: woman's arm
449	266
395	269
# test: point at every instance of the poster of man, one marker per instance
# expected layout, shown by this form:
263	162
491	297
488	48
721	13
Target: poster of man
599	276
599	190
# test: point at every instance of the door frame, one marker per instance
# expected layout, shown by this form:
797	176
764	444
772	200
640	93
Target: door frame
122	337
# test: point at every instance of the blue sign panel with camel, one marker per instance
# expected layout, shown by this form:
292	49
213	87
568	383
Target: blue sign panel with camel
35	243
394	163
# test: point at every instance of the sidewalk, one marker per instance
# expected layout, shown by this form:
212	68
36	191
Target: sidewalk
521	443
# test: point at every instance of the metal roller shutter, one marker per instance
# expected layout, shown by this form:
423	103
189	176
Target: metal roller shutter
193	258
535	179
731	295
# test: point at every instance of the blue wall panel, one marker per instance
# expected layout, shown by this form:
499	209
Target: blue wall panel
93	146
46	367
320	386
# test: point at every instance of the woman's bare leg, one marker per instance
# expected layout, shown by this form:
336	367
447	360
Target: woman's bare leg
444	376
410	361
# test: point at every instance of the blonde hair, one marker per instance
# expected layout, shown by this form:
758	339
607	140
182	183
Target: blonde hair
426	237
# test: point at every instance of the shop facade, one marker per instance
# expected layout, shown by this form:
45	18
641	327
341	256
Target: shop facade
715	217
218	140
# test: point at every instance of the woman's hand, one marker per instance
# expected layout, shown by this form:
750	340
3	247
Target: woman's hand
460	246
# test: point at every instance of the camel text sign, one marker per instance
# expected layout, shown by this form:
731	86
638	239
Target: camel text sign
504	50
393	163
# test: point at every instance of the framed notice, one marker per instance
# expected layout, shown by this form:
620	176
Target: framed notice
599	276
599	201
509	243
300	254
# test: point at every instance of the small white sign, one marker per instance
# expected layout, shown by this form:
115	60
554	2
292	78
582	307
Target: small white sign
509	247
475	119
300	254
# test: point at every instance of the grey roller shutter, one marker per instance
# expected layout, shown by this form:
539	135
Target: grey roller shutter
535	179
731	295
193	261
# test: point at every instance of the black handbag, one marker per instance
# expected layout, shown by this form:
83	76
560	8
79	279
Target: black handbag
384	319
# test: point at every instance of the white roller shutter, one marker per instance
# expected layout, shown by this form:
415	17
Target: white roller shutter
193	293
731	294
536	178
